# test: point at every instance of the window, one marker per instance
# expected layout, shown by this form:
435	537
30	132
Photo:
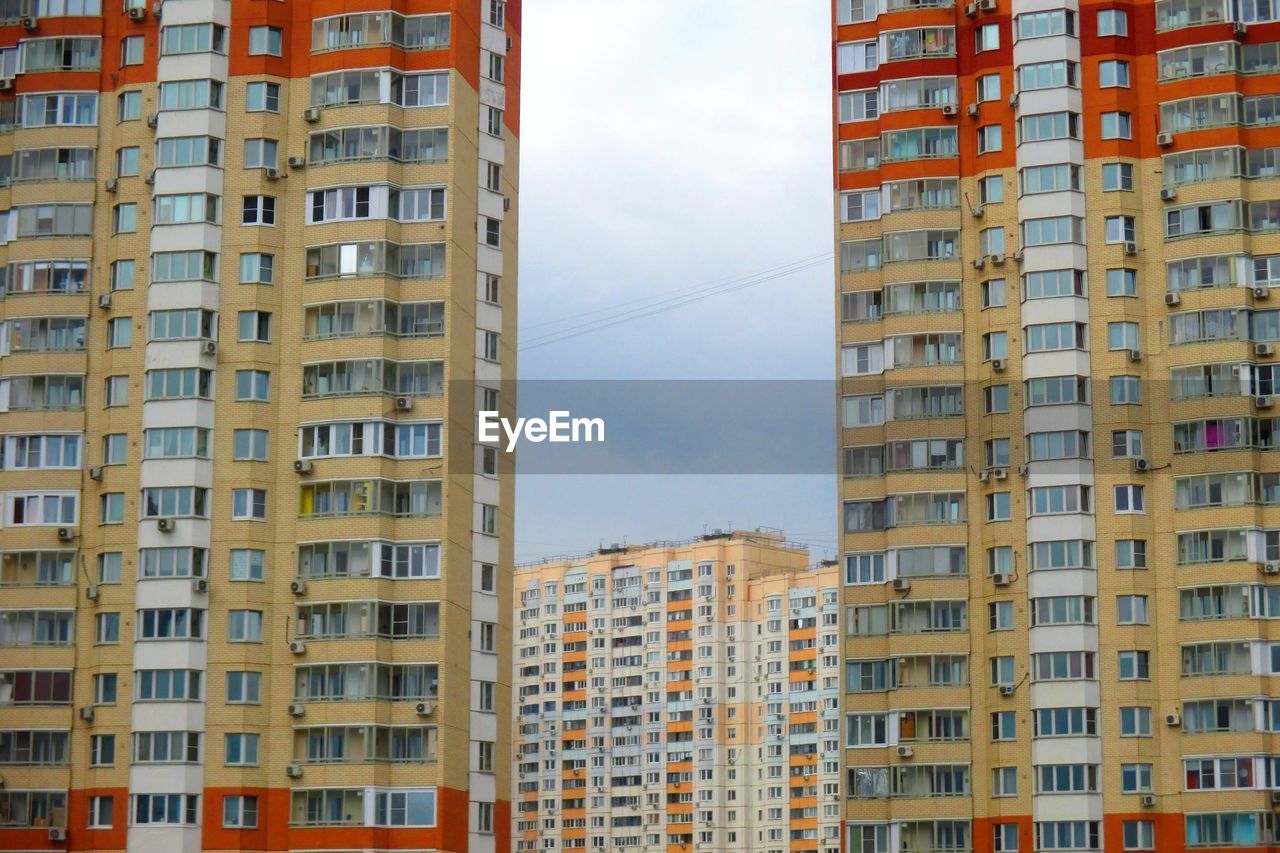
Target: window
1131	610
122	275
1000	616
239	811
489	519
989	139
100	809
484	756
1129	499
262	98
999	560
244	626
188	151
1117	177
1004	725
490	288
995	399
1002	671
488	575
1123	336
265	41
1005	837
166	809
493	121
252	385
1004	781
249	444
986	37
247	564
107	628
1122	282
1040	24
102	751
255	327
257	268
488	637
124	218
1135	722
1117	125
112	508
991	189
259	210
132	50
492	232
104	689
127	162
244	688
1113	74
1134	665
191	95
405	808
1126	444
1131	554
1113	22
486	698
119	332
241	749
1126	390
248	504
993	293
129	106
114	448
109	567
1135	778
260	154
193	38
1139	834
162	685
1120	229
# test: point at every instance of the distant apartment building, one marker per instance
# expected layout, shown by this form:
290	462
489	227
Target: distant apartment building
678	696
1058	251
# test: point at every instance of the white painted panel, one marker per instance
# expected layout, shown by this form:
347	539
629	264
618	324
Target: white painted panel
187	531
1040	205
1046	418
188	236
1063	363
484	667
1045	49
1050	528
166	413
1049	151
170	654
166	778
493	39
192	123
1063	638
169	592
489	203
484	548
493	149
189	179
1051	582
184	294
1066	694
485	489
488	316
176	472
168	716
166	354
1066	750
1066	807
1059	309
170	839
192	66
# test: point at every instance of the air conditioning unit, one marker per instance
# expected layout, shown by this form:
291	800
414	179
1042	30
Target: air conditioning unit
1261	292
977	211
137	13
1262	402
303	466
1006	689
95	473
1135	355
29	23
1264	350
153	119
6	83
1148	800
1141	464
905	752
1172	299
984	475
164	525
271	174
999	473
91	592
1130	248
297	647
425	709
1013	99
298	587
294	771
296	161
1001	579
506	204
104	301
404	404
901	585
200	585
112	185
1164	140
66	534
151	177
210	347
1271	568
1172	720
1168	193
87	713
971	9
297	709
997	259
972	110
949	109
998	365
987	5
57	833
1017	256
311	115
979	263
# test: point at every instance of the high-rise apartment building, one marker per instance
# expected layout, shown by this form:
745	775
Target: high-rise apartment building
678	696
1058	244
258	272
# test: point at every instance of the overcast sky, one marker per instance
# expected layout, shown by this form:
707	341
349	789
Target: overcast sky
667	145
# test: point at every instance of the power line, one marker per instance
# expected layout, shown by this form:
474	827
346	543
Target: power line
680	300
